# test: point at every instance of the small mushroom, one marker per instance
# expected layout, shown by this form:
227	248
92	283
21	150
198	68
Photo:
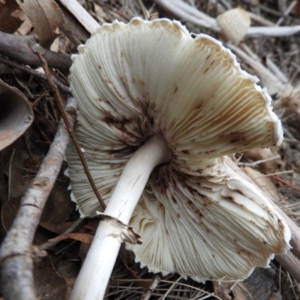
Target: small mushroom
234	24
159	113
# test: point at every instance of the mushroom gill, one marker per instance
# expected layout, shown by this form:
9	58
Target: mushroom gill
198	215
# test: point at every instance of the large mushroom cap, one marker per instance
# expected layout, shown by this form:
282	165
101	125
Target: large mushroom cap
198	216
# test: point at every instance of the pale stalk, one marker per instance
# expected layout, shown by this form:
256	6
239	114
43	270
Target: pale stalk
191	14
96	270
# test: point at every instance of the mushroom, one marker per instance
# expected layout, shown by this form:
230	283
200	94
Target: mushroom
160	111
234	24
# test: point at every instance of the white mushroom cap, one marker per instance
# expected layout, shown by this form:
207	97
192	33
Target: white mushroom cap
197	216
234	24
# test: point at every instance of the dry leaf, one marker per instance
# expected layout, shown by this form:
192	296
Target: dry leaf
19	167
16	114
234	24
48	283
100	13
57	228
59	198
25	27
9	18
45	16
81	237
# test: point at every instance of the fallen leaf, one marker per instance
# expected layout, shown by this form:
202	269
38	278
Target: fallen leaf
25	27
19	167
45	16
48	283
81	237
57	228
16	114
59	206
9	18
66	268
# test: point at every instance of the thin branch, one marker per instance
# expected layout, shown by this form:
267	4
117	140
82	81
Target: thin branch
33	72
51	244
19	48
17	253
70	129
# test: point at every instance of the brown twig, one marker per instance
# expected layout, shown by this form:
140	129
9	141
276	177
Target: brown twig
51	244
70	129
33	72
286	183
19	48
17	253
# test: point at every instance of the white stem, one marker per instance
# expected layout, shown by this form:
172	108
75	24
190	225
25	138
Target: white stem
96	270
273	31
188	13
203	20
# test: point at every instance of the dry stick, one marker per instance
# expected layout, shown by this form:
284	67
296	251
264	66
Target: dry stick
291	264
70	129
17	253
33	72
51	244
290	185
19	48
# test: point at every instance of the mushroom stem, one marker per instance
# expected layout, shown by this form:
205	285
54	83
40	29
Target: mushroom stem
96	270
